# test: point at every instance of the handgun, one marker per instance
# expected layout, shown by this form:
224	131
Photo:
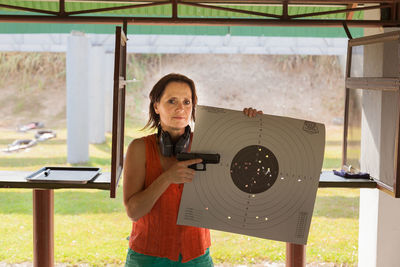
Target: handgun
207	159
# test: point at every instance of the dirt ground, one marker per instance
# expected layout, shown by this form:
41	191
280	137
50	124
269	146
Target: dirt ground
306	87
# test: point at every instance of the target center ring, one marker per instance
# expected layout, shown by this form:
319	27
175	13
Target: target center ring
254	169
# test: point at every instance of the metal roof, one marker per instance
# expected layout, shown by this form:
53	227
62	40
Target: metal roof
194	12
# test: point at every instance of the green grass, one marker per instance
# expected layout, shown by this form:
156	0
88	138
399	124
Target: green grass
92	228
89	227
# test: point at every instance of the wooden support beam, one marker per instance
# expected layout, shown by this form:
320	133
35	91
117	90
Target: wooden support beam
62	8
349	15
43	228
295	255
285	9
174	9
197	21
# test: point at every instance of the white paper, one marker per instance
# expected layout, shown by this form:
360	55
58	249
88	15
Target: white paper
266	182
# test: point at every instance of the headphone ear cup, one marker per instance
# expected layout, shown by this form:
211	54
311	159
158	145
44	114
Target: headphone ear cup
183	143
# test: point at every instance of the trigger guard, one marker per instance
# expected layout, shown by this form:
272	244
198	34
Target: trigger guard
197	166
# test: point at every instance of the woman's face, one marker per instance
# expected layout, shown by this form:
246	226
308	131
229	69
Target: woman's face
175	106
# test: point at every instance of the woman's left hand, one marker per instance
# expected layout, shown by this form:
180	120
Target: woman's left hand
251	112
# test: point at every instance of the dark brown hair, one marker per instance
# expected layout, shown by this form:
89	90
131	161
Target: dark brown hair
157	92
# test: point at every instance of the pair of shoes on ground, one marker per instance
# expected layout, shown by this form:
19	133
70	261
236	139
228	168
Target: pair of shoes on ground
20	144
40	136
30	126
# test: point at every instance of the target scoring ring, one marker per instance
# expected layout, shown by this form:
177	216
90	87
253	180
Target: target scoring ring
254	169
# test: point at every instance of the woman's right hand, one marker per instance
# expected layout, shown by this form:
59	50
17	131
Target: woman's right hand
180	172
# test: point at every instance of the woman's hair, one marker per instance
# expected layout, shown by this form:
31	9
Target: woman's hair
157	92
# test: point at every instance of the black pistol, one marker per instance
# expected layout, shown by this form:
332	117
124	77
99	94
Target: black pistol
207	159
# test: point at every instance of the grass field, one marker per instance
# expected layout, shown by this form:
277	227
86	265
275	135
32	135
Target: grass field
92	228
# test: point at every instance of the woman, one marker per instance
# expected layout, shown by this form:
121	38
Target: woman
153	181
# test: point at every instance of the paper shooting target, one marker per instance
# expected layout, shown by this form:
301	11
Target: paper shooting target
266	182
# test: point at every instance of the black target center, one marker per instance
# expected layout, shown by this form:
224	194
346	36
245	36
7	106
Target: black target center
254	169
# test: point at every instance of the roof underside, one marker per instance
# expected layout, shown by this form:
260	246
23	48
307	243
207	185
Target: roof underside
194	12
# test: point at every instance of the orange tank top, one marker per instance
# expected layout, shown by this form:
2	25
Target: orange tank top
156	233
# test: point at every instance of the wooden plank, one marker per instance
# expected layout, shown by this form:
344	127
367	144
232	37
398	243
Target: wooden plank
122	108
116	118
117	147
373	39
373	83
346	105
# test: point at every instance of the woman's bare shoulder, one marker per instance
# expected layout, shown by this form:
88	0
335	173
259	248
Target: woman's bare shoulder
137	146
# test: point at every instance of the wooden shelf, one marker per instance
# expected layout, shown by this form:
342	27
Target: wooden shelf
329	179
16	179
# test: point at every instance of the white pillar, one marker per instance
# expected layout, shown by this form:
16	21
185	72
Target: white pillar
388	237
379	238
368	230
108	90
96	70
77	98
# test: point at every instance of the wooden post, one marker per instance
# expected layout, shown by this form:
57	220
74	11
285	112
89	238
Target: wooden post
295	255
43	228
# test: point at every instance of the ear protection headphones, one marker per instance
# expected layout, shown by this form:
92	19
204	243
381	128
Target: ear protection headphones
168	148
